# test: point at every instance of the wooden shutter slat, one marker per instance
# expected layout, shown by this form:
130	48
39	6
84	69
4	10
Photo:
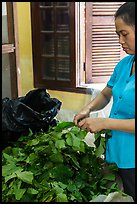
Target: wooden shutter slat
96	39
104	49
107	4
102	60
105	8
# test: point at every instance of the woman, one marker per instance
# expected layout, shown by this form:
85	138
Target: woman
120	148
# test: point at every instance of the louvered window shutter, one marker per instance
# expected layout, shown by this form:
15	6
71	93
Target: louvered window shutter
103	50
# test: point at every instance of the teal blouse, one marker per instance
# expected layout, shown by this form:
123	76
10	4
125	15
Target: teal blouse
120	148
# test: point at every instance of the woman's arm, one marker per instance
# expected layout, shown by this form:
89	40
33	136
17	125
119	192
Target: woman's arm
126	125
101	100
98	124
98	103
83	120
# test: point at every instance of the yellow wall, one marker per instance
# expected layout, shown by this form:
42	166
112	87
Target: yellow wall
71	101
25	46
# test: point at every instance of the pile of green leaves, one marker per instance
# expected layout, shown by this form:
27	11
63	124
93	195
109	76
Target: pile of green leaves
55	166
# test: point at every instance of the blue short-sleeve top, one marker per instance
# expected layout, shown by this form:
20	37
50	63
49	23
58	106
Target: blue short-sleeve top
120	148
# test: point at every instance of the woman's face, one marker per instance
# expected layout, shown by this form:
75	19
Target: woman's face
126	34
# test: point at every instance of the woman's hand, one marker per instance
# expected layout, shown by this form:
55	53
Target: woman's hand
81	115
92	124
98	103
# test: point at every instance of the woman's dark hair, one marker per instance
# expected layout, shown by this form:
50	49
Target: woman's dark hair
127	13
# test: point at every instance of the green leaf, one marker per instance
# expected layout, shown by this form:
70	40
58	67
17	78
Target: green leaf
9	169
18	192
33	142
61	197
99	151
48	196
57	158
63	125
110	177
74	159
101	148
61	172
82	134
76	141
57	188
32	191
85	160
62	185
48	165
7	150
10	159
25	176
30	133
71	187
102	142
78	195
69	139
112	167
7	178
56	135
14	175
113	187
97	135
60	144
31	158
82	147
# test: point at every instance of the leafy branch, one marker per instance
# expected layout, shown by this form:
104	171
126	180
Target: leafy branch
55	166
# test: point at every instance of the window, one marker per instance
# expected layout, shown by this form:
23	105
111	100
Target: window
53	40
102	48
74	43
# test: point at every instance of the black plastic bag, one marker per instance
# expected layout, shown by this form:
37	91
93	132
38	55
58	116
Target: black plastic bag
36	110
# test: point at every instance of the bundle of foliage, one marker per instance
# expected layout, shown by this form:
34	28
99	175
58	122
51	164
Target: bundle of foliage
55	166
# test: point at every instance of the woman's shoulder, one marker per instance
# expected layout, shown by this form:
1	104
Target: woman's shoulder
127	59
